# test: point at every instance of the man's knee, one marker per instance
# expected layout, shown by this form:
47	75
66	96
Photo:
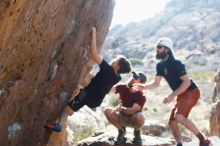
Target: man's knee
108	112
172	123
179	117
139	120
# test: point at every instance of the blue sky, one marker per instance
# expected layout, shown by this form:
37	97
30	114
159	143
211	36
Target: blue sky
126	11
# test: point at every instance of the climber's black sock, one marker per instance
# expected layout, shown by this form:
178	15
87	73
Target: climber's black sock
179	144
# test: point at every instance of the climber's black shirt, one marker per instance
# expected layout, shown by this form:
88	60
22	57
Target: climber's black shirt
93	94
172	70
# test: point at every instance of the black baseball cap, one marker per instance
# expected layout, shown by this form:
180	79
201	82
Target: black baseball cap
139	76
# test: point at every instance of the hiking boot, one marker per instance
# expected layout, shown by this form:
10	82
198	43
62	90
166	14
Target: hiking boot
121	135
55	127
137	137
204	142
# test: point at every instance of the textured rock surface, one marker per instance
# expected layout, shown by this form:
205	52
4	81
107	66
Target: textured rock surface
153	128
107	139
215	120
43	57
216	92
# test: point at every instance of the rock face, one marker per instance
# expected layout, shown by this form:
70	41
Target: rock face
215	120
43	58
107	139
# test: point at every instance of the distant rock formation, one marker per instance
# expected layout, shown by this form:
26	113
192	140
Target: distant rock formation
192	25
215	120
43	58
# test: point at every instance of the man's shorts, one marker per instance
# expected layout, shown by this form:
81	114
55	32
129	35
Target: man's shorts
127	120
79	101
185	103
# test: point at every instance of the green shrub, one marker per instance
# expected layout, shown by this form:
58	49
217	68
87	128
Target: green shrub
113	101
82	133
136	61
198	75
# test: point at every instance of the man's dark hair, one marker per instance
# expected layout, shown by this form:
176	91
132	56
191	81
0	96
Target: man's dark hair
124	65
170	51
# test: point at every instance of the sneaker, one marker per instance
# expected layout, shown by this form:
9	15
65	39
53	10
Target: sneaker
204	142
121	135
55	127
137	137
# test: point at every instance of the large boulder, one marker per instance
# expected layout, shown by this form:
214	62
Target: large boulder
108	139
215	120
153	128
216	92
43	58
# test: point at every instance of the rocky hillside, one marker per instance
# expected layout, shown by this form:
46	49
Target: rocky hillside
43	58
193	25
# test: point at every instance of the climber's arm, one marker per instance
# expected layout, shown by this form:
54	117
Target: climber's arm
94	53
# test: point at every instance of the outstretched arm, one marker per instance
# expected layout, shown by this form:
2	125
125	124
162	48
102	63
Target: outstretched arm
155	84
94	53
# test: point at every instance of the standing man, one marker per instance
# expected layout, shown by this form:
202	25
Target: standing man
128	113
184	90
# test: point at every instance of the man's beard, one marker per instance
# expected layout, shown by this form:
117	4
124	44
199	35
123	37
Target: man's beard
161	55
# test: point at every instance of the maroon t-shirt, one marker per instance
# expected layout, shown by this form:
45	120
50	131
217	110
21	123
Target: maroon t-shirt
128	98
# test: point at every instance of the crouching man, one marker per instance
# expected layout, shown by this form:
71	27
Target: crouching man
128	112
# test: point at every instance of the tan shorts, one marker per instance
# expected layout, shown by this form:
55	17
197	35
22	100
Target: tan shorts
127	120
185	103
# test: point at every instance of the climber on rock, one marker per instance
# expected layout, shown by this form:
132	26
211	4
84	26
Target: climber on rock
93	94
128	112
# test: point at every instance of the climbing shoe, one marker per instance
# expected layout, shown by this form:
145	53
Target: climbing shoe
55	127
121	136
137	137
204	142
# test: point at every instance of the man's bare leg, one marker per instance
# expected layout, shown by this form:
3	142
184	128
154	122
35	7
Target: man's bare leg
62	122
187	123
138	120
64	115
175	130
113	117
191	126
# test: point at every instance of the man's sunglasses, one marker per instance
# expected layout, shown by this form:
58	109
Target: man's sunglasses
159	46
135	77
